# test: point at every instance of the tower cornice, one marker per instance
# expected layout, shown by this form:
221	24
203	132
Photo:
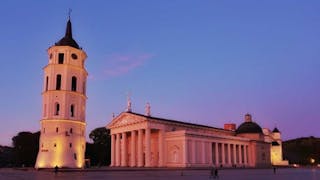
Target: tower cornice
63	92
64	120
67	66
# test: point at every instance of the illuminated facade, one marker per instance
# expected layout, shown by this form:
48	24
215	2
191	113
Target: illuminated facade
62	141
274	137
139	140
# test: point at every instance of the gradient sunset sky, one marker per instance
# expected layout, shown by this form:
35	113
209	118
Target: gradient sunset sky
207	62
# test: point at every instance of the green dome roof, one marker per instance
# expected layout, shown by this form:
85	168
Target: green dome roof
249	127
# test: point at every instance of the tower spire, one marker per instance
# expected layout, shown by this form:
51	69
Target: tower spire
68	40
69	28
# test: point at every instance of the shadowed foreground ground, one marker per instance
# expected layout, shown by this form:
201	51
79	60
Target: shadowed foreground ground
107	173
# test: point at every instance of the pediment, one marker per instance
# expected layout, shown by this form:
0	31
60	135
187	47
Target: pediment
125	119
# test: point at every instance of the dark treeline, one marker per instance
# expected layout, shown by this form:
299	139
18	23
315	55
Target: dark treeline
25	147
302	150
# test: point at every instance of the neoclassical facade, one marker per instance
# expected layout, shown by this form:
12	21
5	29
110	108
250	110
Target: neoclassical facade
139	140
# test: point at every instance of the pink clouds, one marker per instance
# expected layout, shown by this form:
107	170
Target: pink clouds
119	64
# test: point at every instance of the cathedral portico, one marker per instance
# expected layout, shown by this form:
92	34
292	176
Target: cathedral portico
137	148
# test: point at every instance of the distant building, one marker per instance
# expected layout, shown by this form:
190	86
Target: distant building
139	140
274	137
62	140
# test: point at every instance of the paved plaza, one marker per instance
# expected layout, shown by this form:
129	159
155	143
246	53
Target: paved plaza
225	174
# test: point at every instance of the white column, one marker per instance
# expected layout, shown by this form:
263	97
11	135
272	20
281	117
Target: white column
240	154
160	139
229	154
223	154
133	149
148	147
209	149
140	152
203	160
193	150
118	150
124	150
250	158
245	154
185	153
217	153
113	146
234	154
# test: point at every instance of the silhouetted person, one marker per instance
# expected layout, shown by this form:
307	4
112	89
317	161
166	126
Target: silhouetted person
56	169
274	170
216	173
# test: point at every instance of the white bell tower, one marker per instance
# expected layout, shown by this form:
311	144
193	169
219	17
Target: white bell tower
63	125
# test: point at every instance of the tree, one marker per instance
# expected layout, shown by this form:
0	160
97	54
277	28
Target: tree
25	148
302	150
100	135
100	151
6	156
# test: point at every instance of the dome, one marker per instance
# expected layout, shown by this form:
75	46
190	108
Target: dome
249	127
275	130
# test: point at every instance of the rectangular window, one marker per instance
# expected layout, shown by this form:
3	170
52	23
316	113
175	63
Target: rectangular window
57	130
72	110
58	82
74	84
75	156
47	81
70	145
61	58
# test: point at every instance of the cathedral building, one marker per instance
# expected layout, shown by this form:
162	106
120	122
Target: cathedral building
141	140
62	140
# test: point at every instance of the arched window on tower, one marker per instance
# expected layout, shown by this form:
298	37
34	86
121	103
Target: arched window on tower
47	81
72	110
58	83
74	83
61	58
57	106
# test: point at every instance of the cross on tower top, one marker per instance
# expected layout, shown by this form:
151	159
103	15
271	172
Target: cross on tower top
69	13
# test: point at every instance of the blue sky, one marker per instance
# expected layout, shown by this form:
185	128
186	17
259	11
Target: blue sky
206	62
